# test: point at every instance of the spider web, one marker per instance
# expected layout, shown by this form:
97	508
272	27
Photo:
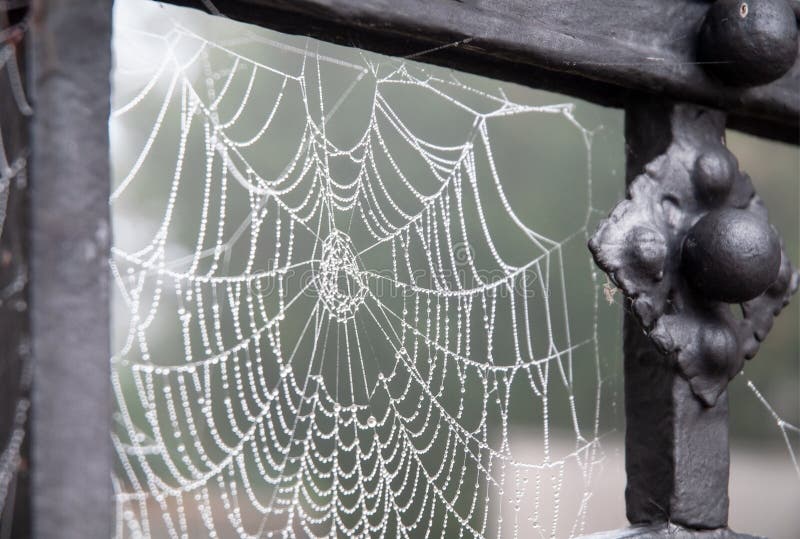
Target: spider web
16	367
333	336
790	433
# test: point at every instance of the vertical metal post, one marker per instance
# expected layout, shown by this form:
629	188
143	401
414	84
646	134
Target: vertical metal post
676	448
70	246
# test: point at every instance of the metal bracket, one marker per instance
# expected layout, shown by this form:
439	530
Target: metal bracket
690	243
691	239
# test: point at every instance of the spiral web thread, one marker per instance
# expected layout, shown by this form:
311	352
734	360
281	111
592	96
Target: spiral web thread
334	322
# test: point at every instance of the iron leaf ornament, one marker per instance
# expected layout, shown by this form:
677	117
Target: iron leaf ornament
690	242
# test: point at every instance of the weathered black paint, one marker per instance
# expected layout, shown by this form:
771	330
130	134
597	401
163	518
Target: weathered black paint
731	255
70	248
748	42
608	51
691	237
676	449
681	344
658	448
605	51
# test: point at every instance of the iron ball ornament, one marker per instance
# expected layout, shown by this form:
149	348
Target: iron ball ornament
731	255
690	240
748	42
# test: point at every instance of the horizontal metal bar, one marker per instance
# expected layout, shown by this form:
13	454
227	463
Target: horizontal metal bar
600	50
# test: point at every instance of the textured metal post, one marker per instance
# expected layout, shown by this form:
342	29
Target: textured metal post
690	241
70	181
676	448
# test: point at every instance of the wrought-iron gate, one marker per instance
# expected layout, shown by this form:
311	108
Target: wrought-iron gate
686	243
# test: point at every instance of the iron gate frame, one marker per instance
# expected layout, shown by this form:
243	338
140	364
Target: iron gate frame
637	55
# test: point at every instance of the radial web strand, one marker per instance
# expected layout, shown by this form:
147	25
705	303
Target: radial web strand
789	432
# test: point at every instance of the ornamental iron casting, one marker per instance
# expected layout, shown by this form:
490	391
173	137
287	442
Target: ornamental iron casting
689	243
692	239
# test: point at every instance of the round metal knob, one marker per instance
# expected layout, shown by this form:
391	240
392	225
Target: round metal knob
748	42
731	255
713	176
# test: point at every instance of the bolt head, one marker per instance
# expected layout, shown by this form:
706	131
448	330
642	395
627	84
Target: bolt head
731	255
748	42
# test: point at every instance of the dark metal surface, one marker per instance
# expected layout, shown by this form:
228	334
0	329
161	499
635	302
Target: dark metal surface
691	238
607	51
70	181
658	449
731	255
603	50
676	448
681	343
748	42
